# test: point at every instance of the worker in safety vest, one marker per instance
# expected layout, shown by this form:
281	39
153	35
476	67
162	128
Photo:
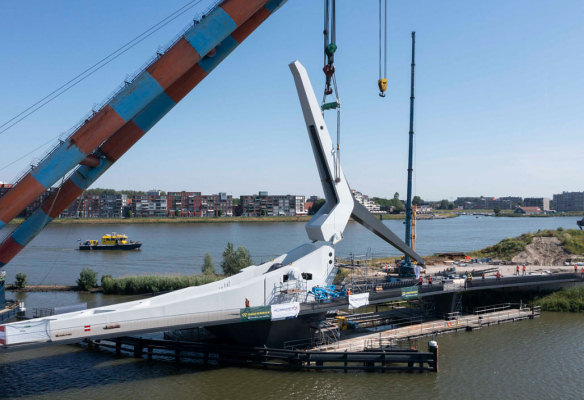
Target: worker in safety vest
246	302
517	270
430	280
524	270
582	272
469	279
420	281
498	275
575	269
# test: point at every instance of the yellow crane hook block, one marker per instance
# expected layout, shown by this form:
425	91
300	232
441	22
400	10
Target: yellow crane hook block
382	84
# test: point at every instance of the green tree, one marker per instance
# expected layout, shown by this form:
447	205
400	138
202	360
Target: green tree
87	279
497	210
208	265
20	281
176	213
444	204
100	191
417	200
235	260
397	204
219	213
317	205
105	278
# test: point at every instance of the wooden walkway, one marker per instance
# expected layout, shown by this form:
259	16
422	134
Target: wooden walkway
389	337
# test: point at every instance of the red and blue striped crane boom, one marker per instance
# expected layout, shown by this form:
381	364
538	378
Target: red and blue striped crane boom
103	138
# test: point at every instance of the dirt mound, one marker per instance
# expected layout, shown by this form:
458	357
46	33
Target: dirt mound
542	251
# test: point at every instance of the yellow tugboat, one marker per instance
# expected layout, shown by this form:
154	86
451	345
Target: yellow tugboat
113	241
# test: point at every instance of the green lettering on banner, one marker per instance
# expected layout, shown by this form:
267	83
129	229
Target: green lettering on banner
255	313
409	292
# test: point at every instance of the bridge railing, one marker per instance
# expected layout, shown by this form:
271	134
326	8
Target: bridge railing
492	308
511	280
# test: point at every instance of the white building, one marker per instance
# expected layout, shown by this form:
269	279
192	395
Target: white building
369	204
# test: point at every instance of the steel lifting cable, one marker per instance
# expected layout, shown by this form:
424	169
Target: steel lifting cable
382	82
331	87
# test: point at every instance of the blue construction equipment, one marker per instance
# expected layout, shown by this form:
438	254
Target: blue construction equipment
327	293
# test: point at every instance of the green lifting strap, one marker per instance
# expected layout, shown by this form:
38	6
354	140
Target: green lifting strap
333	105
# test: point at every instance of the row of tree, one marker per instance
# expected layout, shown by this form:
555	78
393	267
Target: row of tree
396	205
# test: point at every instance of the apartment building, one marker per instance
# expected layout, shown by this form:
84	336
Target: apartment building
369	204
151	204
569	201
271	205
104	205
542	202
184	204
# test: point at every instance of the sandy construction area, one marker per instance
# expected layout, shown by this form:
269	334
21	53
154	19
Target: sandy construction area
506	270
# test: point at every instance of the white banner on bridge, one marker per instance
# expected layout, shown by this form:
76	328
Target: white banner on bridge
27	332
358	300
285	310
453	284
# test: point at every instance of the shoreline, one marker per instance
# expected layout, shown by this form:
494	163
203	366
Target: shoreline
169	220
209	220
265	219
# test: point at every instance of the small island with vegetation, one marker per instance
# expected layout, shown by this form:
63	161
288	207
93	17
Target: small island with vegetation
545	248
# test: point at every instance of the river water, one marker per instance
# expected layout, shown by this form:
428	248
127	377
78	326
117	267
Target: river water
533	359
537	359
52	258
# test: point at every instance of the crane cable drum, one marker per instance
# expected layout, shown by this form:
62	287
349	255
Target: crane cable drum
330	47
382	81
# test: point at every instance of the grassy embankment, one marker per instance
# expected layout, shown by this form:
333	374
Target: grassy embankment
153	284
572	241
566	300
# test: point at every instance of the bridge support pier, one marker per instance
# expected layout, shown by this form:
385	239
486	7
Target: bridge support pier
447	303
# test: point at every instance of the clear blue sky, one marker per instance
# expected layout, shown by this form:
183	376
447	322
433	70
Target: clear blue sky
499	96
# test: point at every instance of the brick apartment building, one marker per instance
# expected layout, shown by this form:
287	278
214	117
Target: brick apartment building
261	204
184	204
105	205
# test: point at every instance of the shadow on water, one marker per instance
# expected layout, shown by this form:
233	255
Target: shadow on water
71	367
533	359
